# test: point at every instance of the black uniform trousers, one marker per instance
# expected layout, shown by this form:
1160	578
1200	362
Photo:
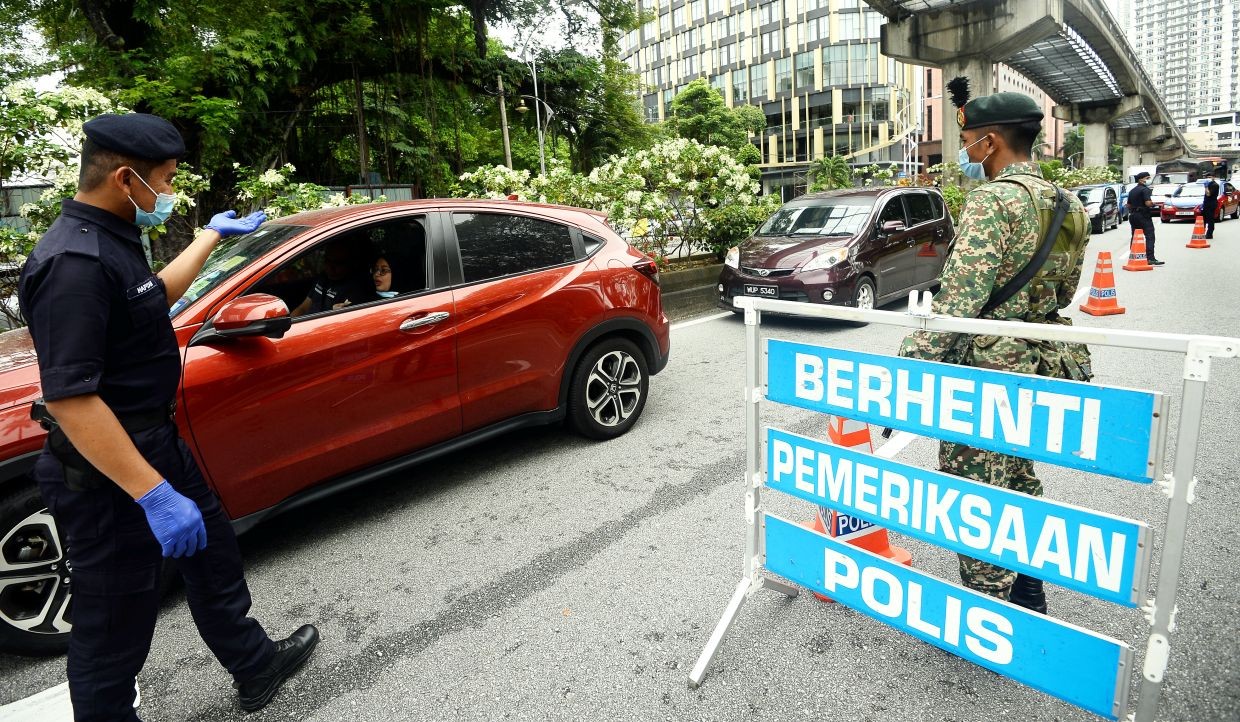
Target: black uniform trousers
116	565
1142	220
1208	213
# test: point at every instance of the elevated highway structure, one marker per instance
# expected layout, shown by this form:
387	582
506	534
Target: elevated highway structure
1072	49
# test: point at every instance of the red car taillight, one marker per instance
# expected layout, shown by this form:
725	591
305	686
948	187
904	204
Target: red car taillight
649	269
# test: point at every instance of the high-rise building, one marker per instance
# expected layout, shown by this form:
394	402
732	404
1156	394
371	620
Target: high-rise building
1191	52
812	66
815	70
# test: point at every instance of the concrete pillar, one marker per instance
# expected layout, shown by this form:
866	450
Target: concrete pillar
1097	145
980	72
1132	156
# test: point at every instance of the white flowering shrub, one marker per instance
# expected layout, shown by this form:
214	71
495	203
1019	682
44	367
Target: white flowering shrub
274	191
677	194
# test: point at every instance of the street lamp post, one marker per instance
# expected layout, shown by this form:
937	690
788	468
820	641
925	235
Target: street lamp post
1070	163
539	103
503	120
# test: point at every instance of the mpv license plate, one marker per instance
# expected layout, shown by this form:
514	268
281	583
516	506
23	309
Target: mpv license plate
1184	213
753	289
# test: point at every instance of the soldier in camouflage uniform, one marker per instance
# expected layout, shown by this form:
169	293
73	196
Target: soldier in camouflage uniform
1000	230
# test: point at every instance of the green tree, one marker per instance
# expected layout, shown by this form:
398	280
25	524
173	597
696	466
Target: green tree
699	113
595	103
829	173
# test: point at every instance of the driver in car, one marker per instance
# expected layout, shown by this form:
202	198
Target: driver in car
338	285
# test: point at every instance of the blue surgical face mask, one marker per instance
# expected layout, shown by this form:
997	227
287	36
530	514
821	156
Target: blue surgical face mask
386	294
164	203
976	171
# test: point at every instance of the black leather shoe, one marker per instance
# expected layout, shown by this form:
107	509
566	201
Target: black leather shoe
1027	592
291	652
1156	262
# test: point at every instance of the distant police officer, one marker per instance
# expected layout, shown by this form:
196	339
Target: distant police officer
118	480
1140	207
1209	206
1002	225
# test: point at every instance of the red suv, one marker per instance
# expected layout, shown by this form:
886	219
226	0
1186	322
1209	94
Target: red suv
499	315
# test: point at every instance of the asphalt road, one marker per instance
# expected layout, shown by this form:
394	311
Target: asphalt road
545	577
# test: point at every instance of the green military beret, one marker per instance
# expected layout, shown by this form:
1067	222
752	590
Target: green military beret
998	109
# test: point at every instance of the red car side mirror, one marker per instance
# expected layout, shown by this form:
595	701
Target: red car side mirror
256	314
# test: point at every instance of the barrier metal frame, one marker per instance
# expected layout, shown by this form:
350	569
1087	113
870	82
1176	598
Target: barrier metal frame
1198	351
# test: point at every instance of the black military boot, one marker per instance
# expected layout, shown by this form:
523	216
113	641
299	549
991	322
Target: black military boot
1027	592
291	652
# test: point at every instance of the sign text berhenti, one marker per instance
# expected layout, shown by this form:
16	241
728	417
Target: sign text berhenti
1095	428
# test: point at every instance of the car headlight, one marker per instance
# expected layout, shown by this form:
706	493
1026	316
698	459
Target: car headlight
733	259
826	259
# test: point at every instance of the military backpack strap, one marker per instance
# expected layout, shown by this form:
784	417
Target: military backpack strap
1035	264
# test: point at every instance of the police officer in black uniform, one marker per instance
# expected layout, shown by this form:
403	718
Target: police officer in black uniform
1209	206
121	485
1139	209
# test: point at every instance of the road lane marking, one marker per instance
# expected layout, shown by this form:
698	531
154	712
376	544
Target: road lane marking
704	319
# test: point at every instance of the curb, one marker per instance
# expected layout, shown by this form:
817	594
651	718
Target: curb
689	291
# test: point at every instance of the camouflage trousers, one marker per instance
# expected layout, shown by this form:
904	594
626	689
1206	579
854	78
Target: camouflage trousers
988	467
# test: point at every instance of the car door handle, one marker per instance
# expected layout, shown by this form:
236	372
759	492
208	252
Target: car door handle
410	324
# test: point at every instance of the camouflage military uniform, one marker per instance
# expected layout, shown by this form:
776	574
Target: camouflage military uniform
999	233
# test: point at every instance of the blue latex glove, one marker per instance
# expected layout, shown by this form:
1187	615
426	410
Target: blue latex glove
175	521
228	224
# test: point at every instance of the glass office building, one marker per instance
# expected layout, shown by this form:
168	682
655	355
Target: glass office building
812	66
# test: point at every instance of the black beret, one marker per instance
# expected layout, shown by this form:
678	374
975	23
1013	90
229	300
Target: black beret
998	109
136	135
1142	175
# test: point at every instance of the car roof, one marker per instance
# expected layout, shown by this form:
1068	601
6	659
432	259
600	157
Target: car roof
861	192
325	216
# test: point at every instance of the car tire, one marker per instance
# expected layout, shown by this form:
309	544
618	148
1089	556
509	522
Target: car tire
864	296
608	389
1097	226
35	616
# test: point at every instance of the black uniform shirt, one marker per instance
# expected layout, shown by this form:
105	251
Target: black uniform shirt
97	314
1211	201
1137	198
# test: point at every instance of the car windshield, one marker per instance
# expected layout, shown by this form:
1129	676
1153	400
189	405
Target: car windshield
1164	190
1193	191
231	255
821	218
1089	195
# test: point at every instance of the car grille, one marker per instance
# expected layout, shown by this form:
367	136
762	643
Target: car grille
766	272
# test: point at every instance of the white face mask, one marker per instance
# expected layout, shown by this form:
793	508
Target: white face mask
385	294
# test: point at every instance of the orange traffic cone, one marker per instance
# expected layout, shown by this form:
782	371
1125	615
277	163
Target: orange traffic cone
1136	254
1199	235
1102	299
854	435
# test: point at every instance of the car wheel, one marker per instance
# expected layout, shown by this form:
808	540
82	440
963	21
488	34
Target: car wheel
608	390
864	296
35	594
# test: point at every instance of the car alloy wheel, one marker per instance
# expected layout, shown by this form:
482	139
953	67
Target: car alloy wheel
608	391
35	591
863	298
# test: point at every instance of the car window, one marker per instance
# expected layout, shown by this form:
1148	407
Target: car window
498	244
1164	190
1191	191
1090	195
920	209
233	254
893	211
937	204
1110	195
825	217
338	273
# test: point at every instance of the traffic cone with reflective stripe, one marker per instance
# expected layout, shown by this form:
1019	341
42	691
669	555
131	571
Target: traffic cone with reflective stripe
1136	254
1199	234
1102	299
854	435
